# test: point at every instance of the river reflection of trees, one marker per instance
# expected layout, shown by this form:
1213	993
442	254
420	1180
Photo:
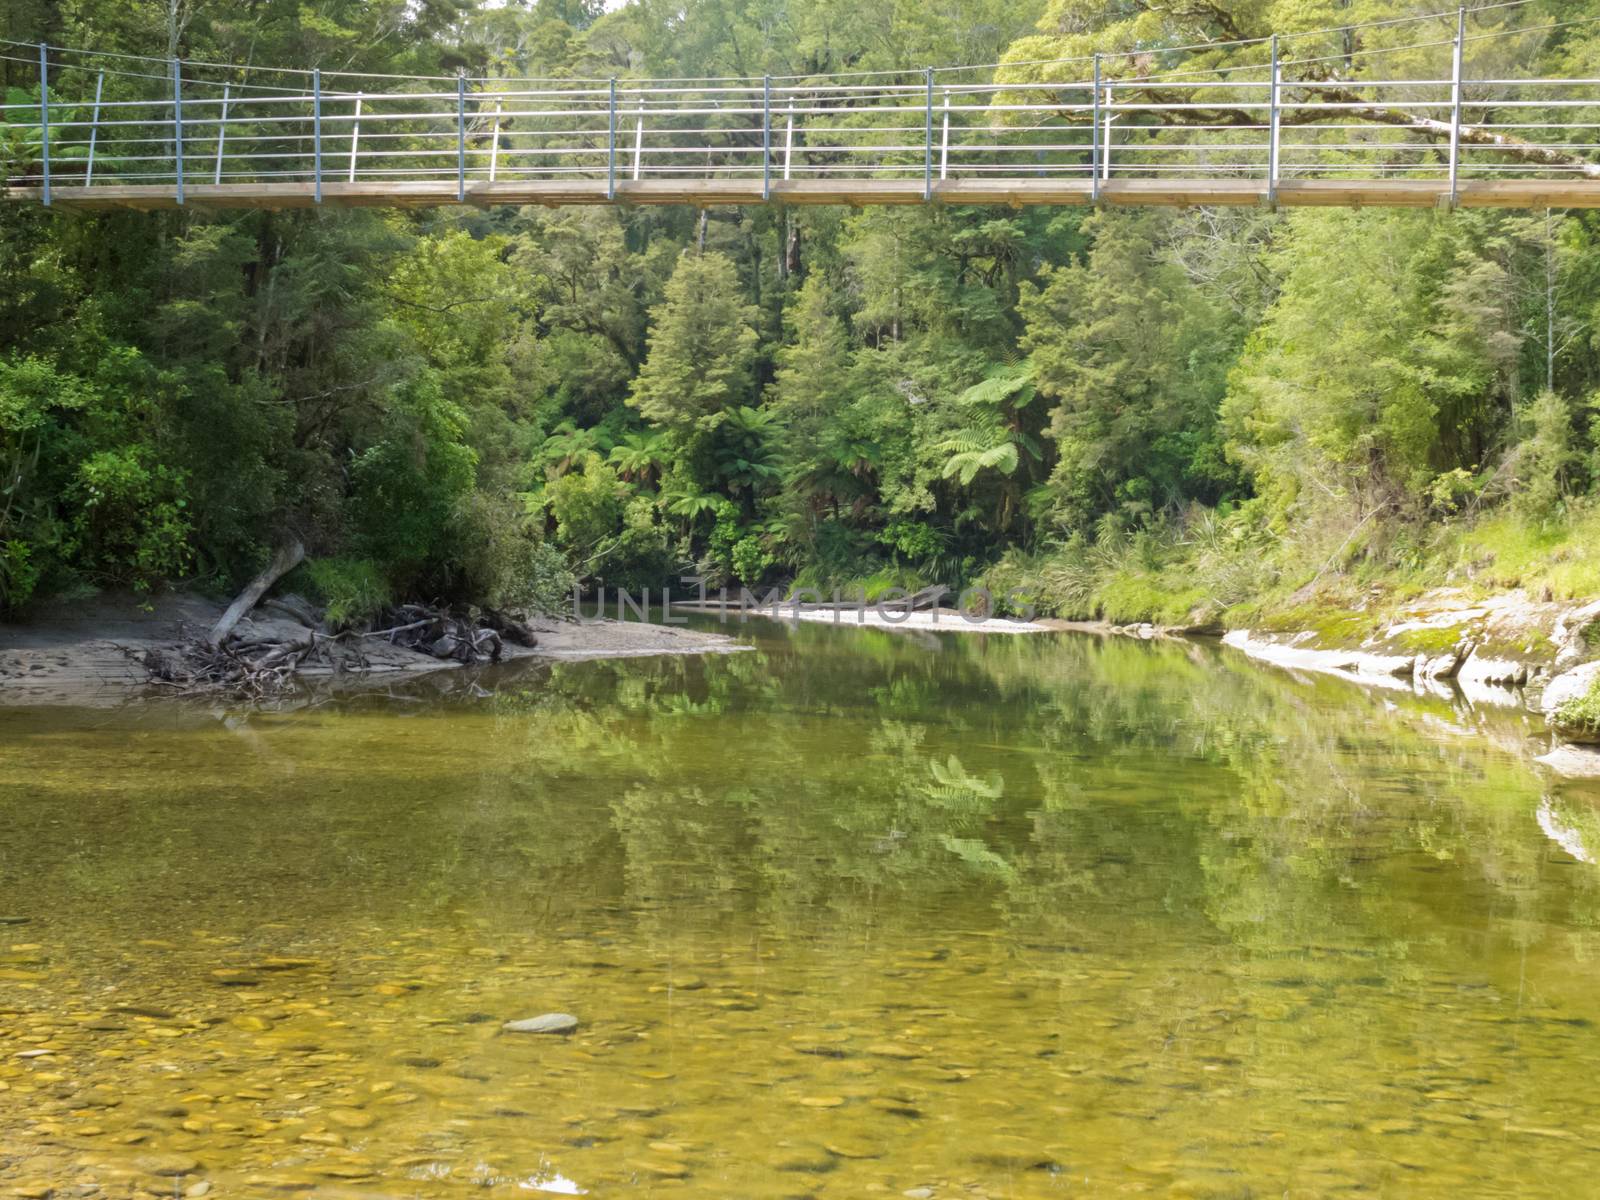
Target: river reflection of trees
1074	788
1053	782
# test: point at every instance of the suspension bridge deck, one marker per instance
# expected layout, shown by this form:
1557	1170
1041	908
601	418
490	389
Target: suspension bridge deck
1301	193
1504	193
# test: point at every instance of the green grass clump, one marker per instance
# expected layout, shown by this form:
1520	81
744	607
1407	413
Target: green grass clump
1332	626
1507	551
1429	641
1127	597
1582	712
352	590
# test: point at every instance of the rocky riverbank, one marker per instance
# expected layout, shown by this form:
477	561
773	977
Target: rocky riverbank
94	652
1508	651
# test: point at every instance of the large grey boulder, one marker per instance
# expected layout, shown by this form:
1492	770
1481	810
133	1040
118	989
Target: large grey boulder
1564	688
1570	635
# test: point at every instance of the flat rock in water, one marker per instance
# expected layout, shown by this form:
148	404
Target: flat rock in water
546	1023
167	1164
1574	762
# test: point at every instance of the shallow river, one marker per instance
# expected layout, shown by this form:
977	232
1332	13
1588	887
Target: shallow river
851	914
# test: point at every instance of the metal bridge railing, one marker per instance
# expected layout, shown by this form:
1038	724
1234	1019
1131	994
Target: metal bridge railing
144	122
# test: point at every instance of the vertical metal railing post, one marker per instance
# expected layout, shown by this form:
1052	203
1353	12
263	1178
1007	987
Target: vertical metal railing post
494	144
222	136
177	127
611	144
94	128
1272	128
44	116
927	140
788	139
316	134
1105	151
638	141
461	137
766	137
355	136
1455	105
1094	137
944	139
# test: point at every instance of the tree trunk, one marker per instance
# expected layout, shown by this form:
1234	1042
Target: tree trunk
284	559
791	253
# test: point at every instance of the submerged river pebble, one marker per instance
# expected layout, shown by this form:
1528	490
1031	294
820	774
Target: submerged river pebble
852	914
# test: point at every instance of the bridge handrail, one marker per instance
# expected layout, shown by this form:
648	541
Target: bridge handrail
95	126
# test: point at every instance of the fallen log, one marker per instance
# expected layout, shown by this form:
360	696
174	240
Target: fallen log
284	559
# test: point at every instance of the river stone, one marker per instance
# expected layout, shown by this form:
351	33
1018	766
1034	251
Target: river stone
821	1101
1565	687
344	1170
1569	634
900	1108
848	1147
1484	670
892	1050
808	1158
1573	762
664	1168
562	1023
167	1164
1012	1154
350	1118
1442	666
143	1010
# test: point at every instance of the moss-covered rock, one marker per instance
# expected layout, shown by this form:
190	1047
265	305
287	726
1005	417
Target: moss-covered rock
1572	703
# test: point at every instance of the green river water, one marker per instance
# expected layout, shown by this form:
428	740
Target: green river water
853	913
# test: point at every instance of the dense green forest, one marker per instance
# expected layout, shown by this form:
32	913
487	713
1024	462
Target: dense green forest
1160	414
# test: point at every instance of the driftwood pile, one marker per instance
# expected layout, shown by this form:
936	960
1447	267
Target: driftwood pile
466	640
256	664
256	667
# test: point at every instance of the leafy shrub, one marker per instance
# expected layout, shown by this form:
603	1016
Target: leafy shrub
1582	712
353	590
19	575
549	582
587	507
410	483
504	563
750	559
131	520
1546	457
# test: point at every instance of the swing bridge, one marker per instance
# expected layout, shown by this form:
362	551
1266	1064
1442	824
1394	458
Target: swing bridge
1305	121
